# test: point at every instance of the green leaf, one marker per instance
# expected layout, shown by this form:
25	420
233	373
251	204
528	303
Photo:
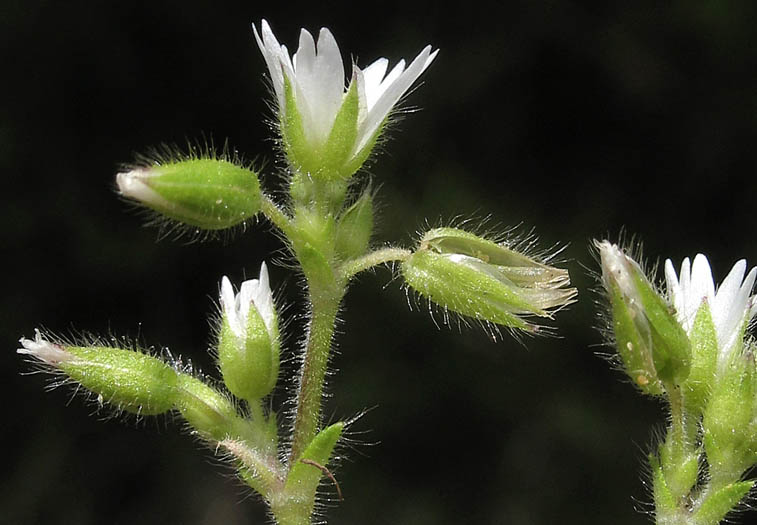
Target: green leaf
664	502
305	474
718	504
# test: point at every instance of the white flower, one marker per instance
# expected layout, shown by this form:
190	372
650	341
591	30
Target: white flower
316	77
254	293
45	351
731	305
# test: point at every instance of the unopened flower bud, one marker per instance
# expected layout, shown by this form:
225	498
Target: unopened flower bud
652	344
207	193
355	227
127	379
485	280
248	343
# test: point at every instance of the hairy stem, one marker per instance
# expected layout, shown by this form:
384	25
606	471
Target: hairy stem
385	255
276	215
324	308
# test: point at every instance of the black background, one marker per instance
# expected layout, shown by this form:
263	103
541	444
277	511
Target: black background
575	119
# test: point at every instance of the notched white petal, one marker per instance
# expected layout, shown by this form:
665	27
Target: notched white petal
43	350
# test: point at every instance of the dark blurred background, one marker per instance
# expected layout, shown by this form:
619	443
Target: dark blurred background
576	119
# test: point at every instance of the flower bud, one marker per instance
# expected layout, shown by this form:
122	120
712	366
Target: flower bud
355	227
651	342
248	343
485	280
207	193
130	380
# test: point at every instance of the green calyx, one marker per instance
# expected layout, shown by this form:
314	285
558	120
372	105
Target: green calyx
671	348
127	379
336	158
207	193
634	344
654	347
704	358
249	364
481	279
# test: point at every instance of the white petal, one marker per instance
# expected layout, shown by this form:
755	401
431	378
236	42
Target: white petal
229	305
392	92
735	308
373	76
673	286
726	294
43	350
271	50
263	300
699	288
320	76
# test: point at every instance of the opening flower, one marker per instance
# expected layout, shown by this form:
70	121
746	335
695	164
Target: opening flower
254	293
731	306
248	342
324	126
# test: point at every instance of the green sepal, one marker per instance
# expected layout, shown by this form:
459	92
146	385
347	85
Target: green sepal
728	433
304	477
361	156
130	380
664	502
301	157
704	356
207	193
453	240
354	228
633	343
462	289
249	367
207	410
671	348
341	141
718	504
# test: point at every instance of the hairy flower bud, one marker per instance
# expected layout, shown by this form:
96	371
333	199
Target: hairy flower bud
127	379
207	193
652	344
485	280
248	343
355	227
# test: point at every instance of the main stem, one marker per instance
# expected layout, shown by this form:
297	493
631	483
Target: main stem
323	310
